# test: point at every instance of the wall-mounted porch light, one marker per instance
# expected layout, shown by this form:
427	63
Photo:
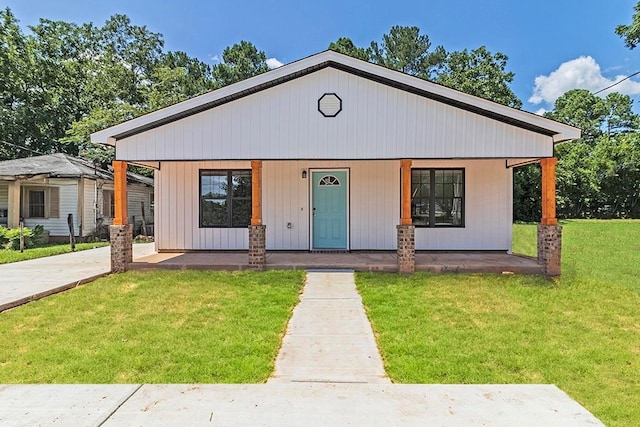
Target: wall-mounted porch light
304	173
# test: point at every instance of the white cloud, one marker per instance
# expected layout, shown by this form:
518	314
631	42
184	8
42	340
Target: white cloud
215	59
273	63
580	73
541	111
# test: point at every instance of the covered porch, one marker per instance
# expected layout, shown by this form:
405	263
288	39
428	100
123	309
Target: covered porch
362	261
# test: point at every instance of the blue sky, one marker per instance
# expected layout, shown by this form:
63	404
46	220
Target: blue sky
553	45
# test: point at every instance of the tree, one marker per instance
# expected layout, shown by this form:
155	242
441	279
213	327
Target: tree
239	62
597	175
480	73
631	33
582	109
177	77
346	46
405	49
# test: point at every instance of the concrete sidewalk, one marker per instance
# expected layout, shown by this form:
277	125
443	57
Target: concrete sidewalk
329	338
293	404
24	281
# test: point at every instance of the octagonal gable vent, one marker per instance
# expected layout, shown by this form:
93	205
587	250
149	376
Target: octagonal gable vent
329	105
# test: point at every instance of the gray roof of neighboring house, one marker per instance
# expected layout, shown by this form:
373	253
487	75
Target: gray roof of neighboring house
60	165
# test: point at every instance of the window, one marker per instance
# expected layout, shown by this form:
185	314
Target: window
225	198
41	202
437	197
36	204
108	204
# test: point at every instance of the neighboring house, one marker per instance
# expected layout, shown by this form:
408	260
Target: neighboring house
334	153
44	190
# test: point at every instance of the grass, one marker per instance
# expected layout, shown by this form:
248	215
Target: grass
7	256
159	327
580	331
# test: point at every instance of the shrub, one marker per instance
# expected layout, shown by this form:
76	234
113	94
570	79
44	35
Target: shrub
10	237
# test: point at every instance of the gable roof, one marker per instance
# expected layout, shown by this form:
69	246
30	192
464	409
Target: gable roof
60	165
558	131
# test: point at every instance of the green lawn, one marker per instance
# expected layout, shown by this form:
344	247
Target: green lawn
580	331
159	327
7	256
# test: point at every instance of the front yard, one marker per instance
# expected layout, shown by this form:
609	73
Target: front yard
160	327
580	332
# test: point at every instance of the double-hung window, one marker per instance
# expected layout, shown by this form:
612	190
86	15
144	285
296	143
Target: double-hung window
225	198
40	202
437	197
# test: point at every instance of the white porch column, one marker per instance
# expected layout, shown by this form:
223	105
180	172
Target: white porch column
13	215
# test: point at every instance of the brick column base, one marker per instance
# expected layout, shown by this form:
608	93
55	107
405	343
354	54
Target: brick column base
121	237
257	247
550	248
406	249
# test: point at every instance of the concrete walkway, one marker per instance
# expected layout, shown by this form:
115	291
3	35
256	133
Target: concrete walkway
24	281
294	404
329	338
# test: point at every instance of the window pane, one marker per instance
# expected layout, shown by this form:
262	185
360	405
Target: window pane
36	204
214	185
241	184
240	212
420	190
214	212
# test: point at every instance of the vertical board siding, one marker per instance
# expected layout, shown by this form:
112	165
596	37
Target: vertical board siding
376	122
374	200
177	219
488	209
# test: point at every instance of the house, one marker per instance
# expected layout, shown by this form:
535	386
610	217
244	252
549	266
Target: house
44	190
331	153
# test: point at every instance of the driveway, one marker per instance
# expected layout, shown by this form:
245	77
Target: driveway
33	279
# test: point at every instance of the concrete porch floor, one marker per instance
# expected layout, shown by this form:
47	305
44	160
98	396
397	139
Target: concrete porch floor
437	262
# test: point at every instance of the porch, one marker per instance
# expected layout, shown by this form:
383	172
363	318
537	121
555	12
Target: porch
363	261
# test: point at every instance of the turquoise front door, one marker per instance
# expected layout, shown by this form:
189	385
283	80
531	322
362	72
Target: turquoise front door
329	209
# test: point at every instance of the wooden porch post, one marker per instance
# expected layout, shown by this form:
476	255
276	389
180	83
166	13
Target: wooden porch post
406	230
121	215
549	191
549	232
257	230
13	214
120	232
405	213
256	192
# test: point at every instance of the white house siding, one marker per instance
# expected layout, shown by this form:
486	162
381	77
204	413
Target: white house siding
376	122
4	196
88	211
488	209
177	217
4	202
137	193
68	205
374	200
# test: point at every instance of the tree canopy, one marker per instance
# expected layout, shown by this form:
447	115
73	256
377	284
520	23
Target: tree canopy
64	81
477	72
631	33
